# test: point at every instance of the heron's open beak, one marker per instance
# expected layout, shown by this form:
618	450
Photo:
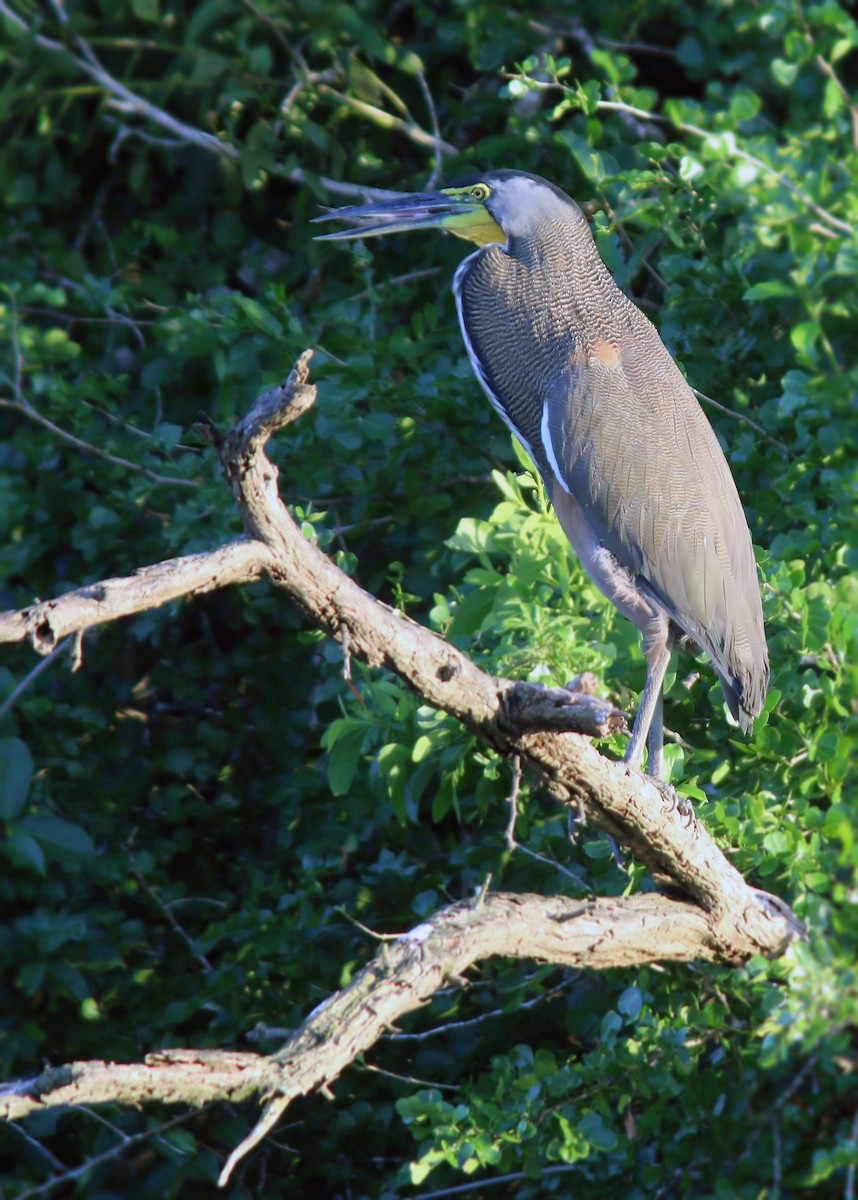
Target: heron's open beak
456	211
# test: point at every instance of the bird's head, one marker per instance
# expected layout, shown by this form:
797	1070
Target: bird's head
486	208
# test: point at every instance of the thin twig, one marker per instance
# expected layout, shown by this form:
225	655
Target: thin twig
338	188
620	227
273	1111
432	182
11	700
827	69
116	317
346	670
479	1184
550	862
101	1120
77	651
374	934
438	1030
37	1146
22	405
742	417
18	384
69	1175
410	1079
395	281
174	924
777	1169
509	834
512	801
266	19
70	318
386	120
125	133
753	1135
26	410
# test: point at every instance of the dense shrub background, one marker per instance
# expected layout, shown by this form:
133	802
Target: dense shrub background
191	818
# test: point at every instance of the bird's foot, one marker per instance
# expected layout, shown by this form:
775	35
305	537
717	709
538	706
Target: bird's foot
675	801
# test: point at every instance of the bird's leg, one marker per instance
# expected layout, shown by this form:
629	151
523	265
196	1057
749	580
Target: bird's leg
655	739
648	722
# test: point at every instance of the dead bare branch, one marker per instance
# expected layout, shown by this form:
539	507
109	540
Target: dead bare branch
541	725
722	918
47	622
403	976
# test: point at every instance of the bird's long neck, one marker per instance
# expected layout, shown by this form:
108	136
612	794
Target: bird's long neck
564	260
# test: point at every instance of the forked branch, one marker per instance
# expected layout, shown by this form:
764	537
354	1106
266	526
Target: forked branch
401	978
721	917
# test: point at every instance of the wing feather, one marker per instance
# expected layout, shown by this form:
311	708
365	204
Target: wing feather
636	452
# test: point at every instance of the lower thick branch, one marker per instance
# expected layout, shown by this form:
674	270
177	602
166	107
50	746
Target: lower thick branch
405	974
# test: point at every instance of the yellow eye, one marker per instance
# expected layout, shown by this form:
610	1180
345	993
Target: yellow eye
480	192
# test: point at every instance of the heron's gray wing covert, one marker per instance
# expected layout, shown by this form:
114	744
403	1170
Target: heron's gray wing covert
631	445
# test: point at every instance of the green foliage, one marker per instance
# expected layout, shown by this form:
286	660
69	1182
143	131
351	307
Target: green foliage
187	817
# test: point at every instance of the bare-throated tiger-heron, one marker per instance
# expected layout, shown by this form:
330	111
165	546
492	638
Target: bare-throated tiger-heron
633	469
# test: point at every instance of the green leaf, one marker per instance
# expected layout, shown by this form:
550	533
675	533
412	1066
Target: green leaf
784	72
22	850
61	840
471	612
744	104
630	1003
588	95
16	771
422	747
842	47
690	168
771	289
394	761
718	147
344	758
419	1171
593	1128
471	535
804	337
595	165
259	316
146	10
833	101
611	1024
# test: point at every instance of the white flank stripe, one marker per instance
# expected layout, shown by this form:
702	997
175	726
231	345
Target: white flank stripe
548	447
